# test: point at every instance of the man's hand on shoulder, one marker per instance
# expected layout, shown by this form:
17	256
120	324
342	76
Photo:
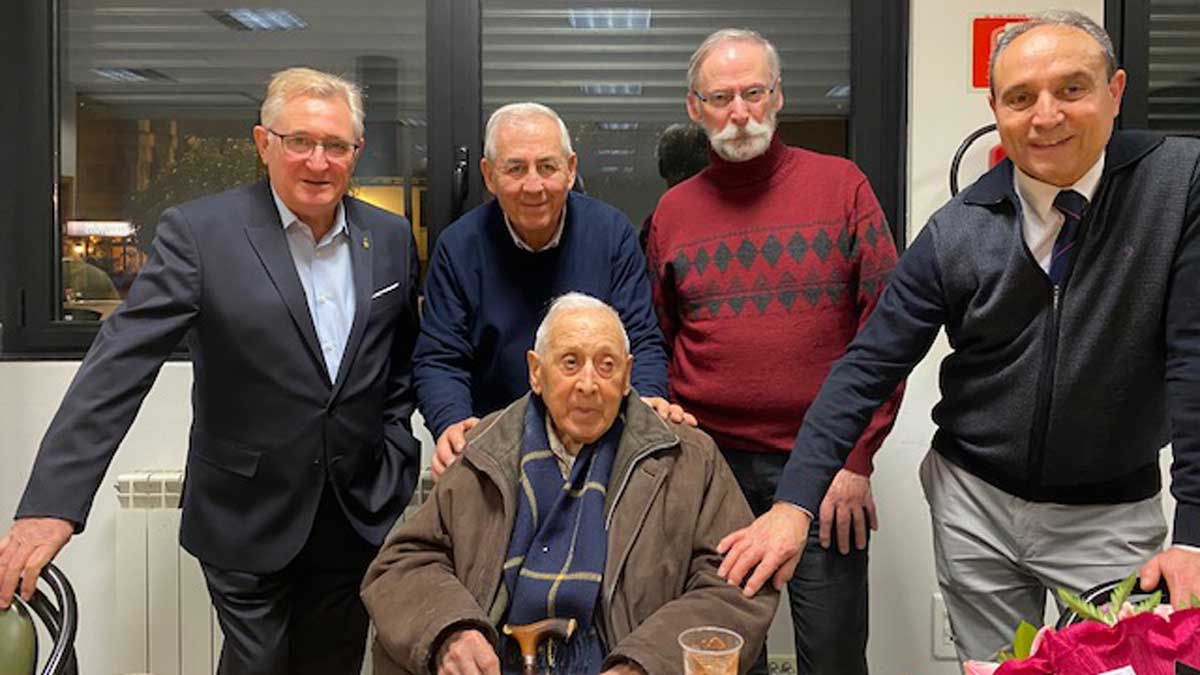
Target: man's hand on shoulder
669	412
450	445
25	550
467	652
1180	567
771	546
848	505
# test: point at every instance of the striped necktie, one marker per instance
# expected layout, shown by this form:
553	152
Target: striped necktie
1072	205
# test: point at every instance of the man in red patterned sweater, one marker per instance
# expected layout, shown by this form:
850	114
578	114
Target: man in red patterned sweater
764	265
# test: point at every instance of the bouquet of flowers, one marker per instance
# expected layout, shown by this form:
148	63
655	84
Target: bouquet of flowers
1117	638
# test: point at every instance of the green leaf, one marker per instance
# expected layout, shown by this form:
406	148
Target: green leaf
1121	593
1023	641
1004	655
1083	608
1149	603
1194	602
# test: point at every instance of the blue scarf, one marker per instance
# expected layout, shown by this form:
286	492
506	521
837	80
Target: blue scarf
559	545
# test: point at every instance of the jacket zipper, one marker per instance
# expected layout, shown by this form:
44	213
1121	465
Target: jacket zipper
1045	393
606	606
1041	419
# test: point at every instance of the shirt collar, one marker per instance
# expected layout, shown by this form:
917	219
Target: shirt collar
562	220
287	217
565	459
1039	196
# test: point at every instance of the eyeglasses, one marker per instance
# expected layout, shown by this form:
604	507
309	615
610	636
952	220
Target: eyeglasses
299	145
721	98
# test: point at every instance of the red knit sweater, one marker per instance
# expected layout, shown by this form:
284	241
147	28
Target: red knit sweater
763	272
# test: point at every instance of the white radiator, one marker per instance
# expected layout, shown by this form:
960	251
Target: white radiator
168	626
167	623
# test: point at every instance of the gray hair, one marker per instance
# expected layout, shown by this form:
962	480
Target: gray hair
732	35
574	302
1055	17
288	84
514	111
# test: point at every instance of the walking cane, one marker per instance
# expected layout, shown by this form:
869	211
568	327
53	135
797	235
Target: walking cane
530	635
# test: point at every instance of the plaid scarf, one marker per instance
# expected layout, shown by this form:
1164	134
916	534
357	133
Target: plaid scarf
559	544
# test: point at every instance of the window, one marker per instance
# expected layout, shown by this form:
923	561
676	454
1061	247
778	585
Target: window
115	109
1157	40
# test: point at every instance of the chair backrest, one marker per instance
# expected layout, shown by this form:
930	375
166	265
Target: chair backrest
18	641
1099	594
18	634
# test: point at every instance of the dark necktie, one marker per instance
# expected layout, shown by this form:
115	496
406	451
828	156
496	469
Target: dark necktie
1072	205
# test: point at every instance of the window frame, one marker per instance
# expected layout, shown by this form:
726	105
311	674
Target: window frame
29	254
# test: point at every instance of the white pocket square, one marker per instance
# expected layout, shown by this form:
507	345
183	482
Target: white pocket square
385	290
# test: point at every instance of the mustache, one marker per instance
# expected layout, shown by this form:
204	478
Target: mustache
752	129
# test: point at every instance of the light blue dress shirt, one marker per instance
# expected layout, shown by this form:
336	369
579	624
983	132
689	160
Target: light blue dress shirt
328	280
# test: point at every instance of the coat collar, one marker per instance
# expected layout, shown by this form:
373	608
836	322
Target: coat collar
1124	149
495	446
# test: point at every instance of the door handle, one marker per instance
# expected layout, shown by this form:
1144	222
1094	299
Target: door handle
462	157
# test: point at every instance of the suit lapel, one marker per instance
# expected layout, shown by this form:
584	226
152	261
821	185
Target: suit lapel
361	257
270	243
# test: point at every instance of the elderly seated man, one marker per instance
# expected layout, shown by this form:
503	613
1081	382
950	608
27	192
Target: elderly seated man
575	501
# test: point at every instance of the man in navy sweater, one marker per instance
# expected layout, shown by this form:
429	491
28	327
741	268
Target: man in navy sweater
496	269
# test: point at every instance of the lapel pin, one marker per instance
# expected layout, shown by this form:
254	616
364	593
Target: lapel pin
366	244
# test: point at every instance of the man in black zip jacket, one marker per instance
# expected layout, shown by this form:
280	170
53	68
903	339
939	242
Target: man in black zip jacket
1068	281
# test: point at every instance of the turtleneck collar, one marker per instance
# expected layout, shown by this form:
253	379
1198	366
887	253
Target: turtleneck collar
751	171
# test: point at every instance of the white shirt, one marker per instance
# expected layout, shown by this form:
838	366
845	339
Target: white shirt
1041	222
562	219
327	277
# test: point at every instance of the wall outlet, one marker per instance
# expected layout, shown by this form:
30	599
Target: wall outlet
942	634
781	664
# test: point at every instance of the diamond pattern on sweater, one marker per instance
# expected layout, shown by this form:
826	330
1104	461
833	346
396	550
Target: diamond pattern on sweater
722	257
746	253
812	294
845	243
701	260
771	249
834	291
736	304
681	265
822	245
872	235
797	247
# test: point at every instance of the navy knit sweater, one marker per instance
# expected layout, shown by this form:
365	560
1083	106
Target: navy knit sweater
484	299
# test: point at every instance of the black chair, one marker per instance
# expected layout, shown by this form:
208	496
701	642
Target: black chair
1099	594
18	633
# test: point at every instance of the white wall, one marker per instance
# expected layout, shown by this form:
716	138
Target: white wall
942	111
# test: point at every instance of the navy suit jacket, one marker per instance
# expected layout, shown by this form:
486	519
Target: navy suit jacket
269	428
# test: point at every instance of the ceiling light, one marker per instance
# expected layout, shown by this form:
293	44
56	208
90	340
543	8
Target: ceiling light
612	89
259	19
609	18
839	91
609	168
618	126
132	74
616	152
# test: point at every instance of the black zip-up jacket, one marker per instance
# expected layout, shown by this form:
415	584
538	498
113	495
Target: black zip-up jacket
1051	394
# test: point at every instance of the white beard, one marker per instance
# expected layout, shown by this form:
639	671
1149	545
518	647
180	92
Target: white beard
740	144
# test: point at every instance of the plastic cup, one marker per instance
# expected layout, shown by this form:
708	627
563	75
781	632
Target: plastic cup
709	650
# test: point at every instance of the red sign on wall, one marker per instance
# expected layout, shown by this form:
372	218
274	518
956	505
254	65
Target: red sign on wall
984	32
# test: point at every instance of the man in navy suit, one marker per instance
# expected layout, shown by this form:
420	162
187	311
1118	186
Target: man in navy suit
299	308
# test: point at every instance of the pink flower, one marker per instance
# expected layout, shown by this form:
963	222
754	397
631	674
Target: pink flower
979	668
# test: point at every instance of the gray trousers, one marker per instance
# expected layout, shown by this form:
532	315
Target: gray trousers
997	555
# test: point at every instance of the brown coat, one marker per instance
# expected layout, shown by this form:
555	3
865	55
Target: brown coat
671	498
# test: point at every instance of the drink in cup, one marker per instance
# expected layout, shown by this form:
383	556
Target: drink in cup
709	650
